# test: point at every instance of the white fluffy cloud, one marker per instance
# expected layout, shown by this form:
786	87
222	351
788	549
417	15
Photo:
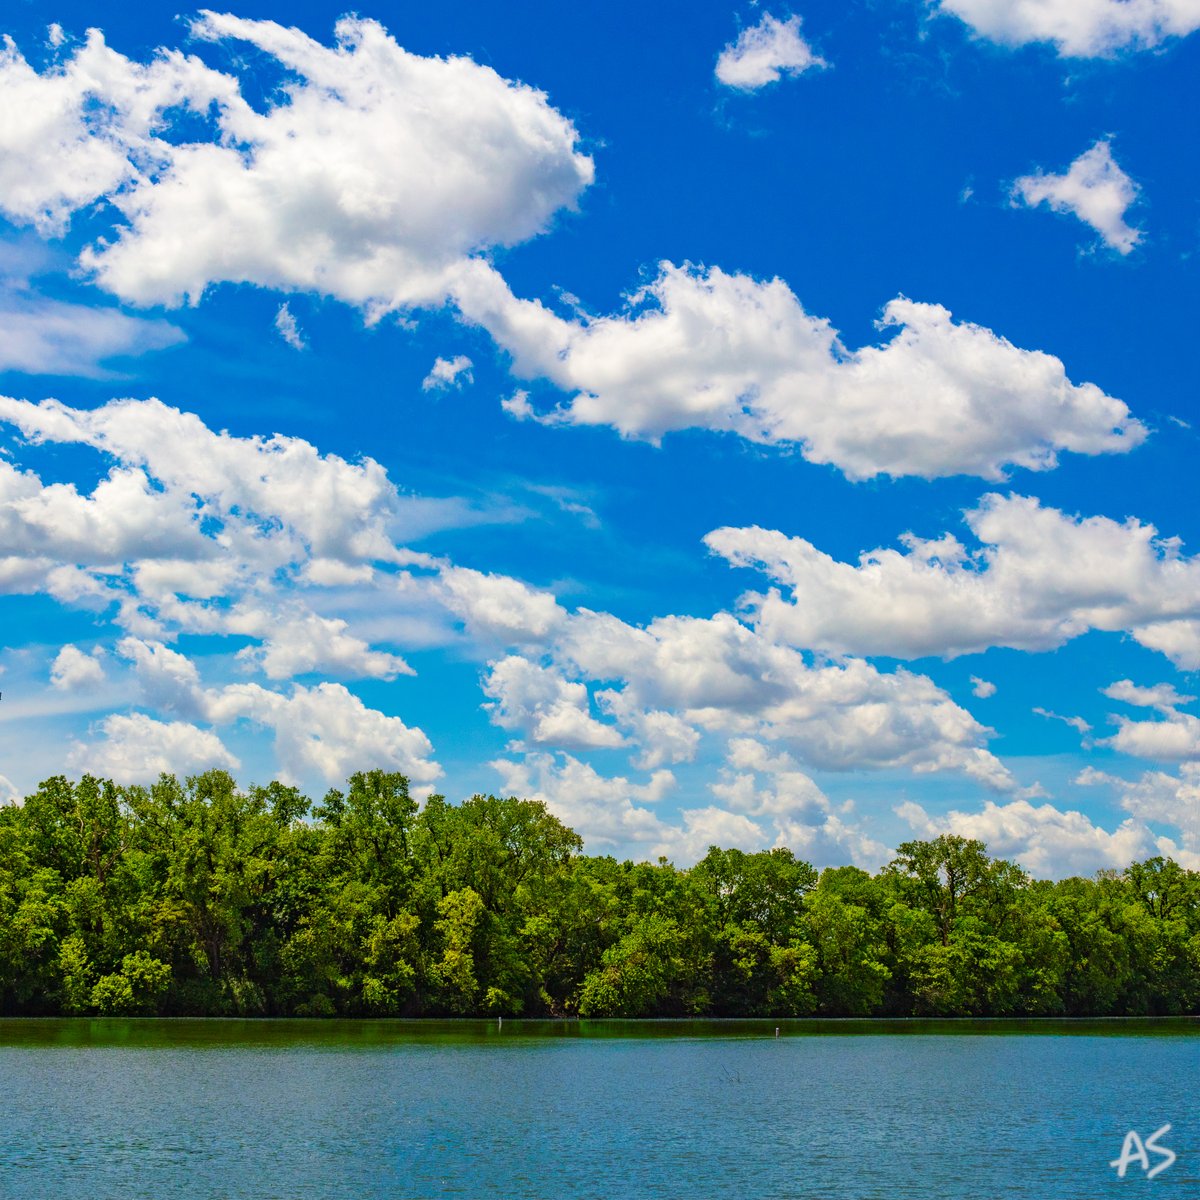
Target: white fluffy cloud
1162	799
1079	28
71	132
611	813
202	533
73	670
1162	696
547	708
1094	189
329	731
302	196
764	800
770	786
983	689
447	373
371	178
710	826
324	730
298	644
1178	640
499	609
1165	799
1044	839
250	485
700	348
1172	739
123	518
659	690
1039	578
288	328
136	748
662	737
764	52
169	681
718	676
1173	736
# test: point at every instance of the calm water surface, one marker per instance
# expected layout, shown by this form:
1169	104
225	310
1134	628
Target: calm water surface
857	1110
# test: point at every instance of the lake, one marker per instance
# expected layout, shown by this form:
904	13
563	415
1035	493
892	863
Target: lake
691	1109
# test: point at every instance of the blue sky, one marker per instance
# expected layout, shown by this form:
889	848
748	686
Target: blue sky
727	424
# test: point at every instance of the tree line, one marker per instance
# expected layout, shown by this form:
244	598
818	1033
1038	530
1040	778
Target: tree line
201	898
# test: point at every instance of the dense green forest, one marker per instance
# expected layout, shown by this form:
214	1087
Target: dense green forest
201	898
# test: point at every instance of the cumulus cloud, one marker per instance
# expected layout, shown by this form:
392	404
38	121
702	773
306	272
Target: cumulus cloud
718	676
136	748
72	131
544	706
1161	696
73	670
304	642
518	406
1094	189
370	176
658	690
765	52
770	786
1079	28
498	608
300	197
982	688
124	517
195	532
663	737
329	731
611	813
169	681
199	532
1173	738
448	373
702	828
275	498
1038	578
1044	839
1178	640
702	349
324	730
764	800
1161	799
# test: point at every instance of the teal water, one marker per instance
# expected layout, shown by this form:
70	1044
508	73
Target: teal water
850	1109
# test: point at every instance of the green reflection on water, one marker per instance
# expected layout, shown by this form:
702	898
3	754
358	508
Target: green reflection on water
230	1033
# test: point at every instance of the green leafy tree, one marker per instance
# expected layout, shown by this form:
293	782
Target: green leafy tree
203	897
848	955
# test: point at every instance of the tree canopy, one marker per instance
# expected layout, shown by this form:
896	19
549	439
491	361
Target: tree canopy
202	898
